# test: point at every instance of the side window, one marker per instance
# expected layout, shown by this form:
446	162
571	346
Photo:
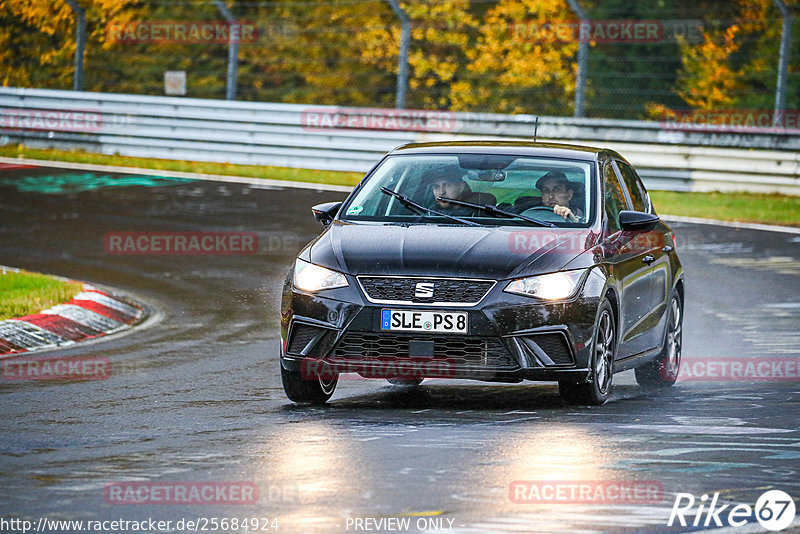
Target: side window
634	185
614	197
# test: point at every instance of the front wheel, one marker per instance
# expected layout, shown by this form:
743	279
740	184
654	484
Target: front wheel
308	390
663	371
598	389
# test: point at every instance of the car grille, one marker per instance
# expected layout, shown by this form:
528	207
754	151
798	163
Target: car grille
468	352
445	290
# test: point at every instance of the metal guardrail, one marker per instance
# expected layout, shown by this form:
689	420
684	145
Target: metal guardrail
335	138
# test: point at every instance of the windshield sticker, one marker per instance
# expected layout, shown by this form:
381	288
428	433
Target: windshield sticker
354	210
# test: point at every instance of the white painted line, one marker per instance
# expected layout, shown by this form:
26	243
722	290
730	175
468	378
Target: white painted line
746	226
180	174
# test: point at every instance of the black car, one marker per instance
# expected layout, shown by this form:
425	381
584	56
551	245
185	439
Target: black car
495	261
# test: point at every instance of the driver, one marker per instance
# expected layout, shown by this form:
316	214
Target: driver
449	183
556	193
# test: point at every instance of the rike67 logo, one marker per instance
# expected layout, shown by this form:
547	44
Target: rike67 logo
774	511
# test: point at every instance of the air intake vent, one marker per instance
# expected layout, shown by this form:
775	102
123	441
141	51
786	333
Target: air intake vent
546	349
555	346
462	352
300	336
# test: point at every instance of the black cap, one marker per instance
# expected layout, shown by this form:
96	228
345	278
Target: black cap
557	176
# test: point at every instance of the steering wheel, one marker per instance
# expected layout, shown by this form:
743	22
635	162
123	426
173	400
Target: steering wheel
543	213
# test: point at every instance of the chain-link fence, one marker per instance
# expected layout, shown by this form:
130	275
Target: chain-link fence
613	58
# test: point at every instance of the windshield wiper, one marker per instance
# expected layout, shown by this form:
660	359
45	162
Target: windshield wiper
404	200
494	210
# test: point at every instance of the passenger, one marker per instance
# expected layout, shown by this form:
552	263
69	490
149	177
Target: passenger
556	193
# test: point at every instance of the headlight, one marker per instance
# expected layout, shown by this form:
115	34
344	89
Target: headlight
554	286
310	277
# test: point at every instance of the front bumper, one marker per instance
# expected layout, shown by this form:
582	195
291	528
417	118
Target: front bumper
509	338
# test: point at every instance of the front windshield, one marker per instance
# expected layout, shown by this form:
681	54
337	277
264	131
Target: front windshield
553	191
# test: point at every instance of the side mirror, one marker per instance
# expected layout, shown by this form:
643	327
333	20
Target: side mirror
324	213
637	221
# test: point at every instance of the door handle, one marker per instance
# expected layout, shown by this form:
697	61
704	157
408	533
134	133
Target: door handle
667	249
649	259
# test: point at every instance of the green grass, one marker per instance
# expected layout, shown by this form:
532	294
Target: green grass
24	293
741	207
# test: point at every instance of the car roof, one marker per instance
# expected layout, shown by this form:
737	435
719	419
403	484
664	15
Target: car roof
522	148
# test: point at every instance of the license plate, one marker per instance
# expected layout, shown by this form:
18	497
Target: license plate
424	321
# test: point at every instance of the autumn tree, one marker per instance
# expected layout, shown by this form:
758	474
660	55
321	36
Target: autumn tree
441	36
516	66
466	55
37	38
735	64
707	80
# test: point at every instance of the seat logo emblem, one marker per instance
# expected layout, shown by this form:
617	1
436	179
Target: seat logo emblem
424	289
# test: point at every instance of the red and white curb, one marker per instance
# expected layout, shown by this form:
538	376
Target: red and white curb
90	314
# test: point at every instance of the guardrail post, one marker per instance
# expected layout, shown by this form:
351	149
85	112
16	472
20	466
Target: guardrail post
80	45
583	56
783	63
402	62
233	49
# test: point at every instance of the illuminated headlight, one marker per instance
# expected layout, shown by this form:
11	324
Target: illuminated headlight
310	277
554	286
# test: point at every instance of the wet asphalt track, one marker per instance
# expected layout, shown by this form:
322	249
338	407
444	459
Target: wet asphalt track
197	395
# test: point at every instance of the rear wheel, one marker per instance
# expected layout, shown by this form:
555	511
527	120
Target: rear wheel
663	371
405	382
597	390
305	390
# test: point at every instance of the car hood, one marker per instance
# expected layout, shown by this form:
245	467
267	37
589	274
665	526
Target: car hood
441	250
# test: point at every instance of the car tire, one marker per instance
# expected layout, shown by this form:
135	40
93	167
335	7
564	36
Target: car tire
663	371
597	389
304	390
405	382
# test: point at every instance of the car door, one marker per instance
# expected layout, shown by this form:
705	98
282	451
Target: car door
653	243
628	267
